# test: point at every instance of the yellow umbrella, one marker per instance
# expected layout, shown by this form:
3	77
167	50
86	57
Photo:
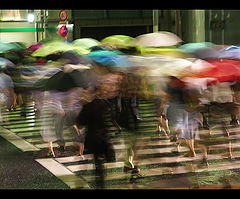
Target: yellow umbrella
119	41
172	52
57	46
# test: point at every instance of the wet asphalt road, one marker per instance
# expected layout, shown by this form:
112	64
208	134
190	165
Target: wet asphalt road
19	170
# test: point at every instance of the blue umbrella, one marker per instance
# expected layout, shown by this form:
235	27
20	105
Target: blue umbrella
192	47
112	60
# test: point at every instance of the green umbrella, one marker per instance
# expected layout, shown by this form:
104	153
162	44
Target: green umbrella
86	42
119	41
56	46
11	46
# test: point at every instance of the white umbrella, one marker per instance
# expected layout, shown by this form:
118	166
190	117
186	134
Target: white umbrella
161	38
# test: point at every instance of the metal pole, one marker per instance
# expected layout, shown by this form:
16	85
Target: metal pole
222	19
155	20
210	30
178	23
45	14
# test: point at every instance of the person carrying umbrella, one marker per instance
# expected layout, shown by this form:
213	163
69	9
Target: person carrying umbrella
7	94
92	117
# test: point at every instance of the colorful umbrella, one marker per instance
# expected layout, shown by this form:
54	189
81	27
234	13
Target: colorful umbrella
119	41
104	53
5	62
207	53
192	47
57	46
221	71
86	43
11	46
172	52
161	38
34	47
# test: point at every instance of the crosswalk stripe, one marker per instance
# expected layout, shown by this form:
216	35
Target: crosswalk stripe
17	141
150	146
63	173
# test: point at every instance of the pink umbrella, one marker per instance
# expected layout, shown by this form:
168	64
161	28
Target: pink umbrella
34	47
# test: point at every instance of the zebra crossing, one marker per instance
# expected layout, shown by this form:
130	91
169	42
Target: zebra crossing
155	155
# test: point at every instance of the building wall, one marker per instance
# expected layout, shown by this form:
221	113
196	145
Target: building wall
221	26
109	22
17	31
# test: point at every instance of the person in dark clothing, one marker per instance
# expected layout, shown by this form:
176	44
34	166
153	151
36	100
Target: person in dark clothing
128	117
97	139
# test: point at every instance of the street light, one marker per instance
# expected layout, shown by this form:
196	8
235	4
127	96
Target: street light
31	16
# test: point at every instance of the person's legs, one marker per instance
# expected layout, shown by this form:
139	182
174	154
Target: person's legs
51	151
191	147
99	171
59	131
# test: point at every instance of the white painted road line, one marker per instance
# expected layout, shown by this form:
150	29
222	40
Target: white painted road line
63	173
17	141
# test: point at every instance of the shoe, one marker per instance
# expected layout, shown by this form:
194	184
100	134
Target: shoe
136	172
50	154
175	151
204	162
235	122
190	154
62	149
138	117
127	169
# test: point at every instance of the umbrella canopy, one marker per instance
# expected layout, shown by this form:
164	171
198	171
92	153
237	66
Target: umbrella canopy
5	62
62	81
119	41
233	53
207	53
57	46
11	46
172	52
221	71
71	57
34	47
104	53
158	65
192	47
86	43
7	66
161	38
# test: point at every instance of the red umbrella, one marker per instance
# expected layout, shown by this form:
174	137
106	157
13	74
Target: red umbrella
223	71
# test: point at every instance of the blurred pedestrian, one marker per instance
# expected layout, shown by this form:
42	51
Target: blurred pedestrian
79	139
193	119
173	97
98	142
51	121
73	102
128	117
7	94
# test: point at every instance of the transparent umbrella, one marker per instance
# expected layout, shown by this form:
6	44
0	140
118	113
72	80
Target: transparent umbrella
86	43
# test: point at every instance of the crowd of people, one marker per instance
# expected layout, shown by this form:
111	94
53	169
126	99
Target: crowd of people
76	92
